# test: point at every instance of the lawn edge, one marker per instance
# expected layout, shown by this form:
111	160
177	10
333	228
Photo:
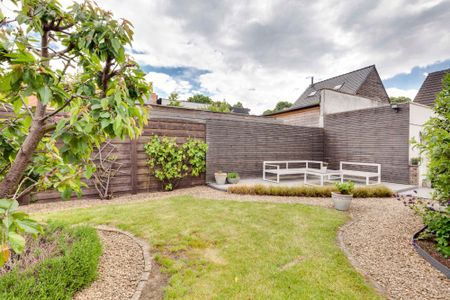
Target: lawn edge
354	263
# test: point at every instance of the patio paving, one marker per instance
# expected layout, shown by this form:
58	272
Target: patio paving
396	187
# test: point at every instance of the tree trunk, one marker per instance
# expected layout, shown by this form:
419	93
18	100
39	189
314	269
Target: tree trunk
12	179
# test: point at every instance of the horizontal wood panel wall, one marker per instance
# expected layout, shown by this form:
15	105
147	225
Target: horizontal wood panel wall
134	174
375	135
242	146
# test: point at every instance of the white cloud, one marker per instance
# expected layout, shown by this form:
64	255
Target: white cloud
260	52
164	84
395	92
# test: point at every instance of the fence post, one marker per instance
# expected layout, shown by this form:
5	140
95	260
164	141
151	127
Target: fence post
133	162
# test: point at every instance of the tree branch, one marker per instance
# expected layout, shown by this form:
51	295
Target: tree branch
63	106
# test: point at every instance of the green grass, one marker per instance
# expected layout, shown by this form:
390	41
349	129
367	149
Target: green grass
57	277
238	250
376	191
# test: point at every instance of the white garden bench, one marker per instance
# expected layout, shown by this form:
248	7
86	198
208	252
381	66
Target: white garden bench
288	167
345	171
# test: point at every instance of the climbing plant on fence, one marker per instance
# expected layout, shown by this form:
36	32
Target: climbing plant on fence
170	162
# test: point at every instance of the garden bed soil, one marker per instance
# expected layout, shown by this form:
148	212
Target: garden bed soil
430	247
36	250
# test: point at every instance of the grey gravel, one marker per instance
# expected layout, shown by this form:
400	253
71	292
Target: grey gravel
120	269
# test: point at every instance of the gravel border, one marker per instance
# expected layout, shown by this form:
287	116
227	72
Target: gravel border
110	283
145	248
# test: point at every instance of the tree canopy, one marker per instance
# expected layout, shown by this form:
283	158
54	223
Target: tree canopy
399	100
199	98
278	107
86	88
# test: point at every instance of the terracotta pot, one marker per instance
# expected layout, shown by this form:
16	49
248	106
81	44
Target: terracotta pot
341	202
220	178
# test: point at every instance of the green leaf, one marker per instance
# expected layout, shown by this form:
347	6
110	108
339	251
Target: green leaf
45	94
16	242
29	226
90	169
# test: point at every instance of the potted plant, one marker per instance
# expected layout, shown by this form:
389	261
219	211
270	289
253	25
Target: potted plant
324	167
343	198
220	177
415	161
233	177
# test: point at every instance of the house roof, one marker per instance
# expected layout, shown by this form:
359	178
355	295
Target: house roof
430	88
348	83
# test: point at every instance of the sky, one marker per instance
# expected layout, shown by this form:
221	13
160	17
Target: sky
262	52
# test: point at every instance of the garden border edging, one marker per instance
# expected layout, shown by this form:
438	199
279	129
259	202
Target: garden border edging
145	253
340	240
426	256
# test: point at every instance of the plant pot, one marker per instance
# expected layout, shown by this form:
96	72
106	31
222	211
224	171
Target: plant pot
233	180
220	178
341	202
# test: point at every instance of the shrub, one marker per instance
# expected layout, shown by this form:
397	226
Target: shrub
170	162
378	191
435	145
58	277
345	188
232	175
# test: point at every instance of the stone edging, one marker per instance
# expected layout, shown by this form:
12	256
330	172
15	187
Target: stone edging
145	253
425	255
353	261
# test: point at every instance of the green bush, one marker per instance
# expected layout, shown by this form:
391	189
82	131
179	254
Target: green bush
377	191
435	145
58	277
170	162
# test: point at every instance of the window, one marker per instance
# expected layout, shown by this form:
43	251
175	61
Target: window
337	87
312	93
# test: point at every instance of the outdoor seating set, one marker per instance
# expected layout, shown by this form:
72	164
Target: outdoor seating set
273	170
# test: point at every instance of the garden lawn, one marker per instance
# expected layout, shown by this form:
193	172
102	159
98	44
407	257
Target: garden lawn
237	250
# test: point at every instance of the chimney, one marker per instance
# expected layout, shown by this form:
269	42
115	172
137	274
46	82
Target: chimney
312	80
153	98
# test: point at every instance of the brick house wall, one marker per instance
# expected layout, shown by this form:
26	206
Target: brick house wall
373	88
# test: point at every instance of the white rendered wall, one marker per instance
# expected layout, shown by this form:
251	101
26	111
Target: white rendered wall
332	102
418	115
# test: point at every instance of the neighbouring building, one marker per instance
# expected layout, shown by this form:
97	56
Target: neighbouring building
358	89
430	88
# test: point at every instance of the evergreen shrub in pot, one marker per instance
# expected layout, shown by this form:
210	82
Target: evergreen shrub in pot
343	198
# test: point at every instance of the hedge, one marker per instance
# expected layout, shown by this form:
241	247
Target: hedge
58	277
377	191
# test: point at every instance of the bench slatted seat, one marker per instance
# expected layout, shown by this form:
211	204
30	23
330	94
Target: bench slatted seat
357	173
288	167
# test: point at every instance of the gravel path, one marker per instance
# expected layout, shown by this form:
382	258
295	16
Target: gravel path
120	269
377	240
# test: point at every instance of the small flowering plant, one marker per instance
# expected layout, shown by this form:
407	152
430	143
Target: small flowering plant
436	218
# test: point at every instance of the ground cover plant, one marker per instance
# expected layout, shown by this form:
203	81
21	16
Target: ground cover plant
377	191
72	266
237	250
